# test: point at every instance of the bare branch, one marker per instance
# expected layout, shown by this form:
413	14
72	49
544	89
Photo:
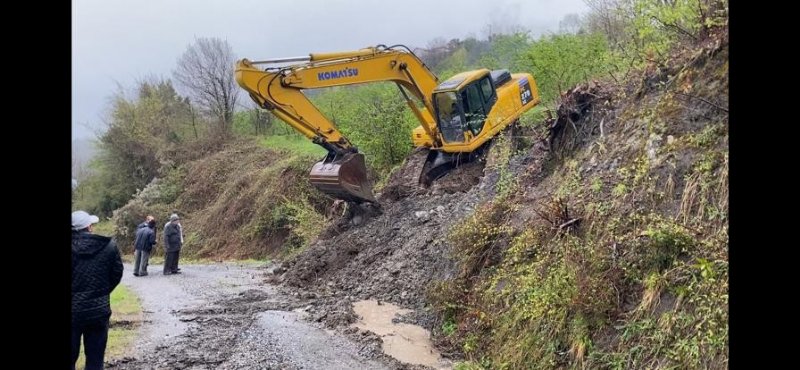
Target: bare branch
702	100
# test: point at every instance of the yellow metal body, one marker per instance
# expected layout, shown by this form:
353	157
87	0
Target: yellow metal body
507	109
280	91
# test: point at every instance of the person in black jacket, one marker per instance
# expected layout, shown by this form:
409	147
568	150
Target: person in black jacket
143	244
173	240
146	221
96	271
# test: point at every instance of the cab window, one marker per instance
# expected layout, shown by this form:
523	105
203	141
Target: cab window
488	92
474	108
450	118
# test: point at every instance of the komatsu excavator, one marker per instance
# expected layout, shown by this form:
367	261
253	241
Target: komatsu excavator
457	117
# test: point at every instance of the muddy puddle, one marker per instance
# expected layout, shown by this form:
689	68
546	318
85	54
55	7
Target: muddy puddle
406	342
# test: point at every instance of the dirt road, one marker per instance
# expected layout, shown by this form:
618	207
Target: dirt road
223	316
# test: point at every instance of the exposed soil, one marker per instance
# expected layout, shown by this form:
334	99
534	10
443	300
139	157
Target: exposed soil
394	255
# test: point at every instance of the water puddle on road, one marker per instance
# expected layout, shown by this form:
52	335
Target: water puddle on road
405	342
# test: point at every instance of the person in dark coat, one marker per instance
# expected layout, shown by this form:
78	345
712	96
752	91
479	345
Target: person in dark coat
173	240
144	224
143	244
96	271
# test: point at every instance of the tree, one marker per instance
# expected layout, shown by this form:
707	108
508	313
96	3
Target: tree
375	118
205	70
142	131
558	62
571	23
609	17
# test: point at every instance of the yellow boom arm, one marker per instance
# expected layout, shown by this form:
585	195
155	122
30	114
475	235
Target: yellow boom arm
280	89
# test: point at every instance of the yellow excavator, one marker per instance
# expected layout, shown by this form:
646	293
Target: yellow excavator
457	117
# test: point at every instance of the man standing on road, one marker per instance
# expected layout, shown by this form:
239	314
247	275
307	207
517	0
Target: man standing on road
173	240
96	271
145	240
146	221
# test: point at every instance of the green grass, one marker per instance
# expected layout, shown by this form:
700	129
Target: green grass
125	307
124	303
104	227
294	144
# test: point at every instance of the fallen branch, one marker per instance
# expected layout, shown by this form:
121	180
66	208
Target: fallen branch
703	100
601	126
568	223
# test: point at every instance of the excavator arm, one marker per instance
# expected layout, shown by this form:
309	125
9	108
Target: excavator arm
280	89
342	172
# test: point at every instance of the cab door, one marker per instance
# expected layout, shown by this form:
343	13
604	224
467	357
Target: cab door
477	99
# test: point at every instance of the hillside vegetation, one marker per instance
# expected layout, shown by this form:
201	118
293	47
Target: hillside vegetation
613	252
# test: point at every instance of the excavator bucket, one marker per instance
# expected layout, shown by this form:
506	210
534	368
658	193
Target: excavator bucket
343	177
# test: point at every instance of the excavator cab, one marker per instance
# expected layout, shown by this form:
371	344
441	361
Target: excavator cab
461	108
462	105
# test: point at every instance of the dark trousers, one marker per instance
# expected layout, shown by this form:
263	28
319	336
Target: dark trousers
140	264
95	337
171	262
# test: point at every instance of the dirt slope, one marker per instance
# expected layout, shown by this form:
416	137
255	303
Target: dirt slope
610	238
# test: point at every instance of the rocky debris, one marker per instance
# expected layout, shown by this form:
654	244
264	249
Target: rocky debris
395	255
232	324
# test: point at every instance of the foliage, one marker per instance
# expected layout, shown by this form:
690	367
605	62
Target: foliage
641	278
506	52
258	122
558	62
373	117
304	220
293	144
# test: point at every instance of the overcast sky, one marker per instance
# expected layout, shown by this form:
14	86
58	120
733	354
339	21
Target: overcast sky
121	41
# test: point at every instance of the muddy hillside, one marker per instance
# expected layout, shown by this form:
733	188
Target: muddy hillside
396	251
613	211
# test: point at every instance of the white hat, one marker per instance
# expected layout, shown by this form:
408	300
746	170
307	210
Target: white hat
82	220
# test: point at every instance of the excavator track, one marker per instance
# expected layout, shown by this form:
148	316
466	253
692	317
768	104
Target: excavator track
421	169
405	180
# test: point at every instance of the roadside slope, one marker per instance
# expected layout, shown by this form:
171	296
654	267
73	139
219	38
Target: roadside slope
606	247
